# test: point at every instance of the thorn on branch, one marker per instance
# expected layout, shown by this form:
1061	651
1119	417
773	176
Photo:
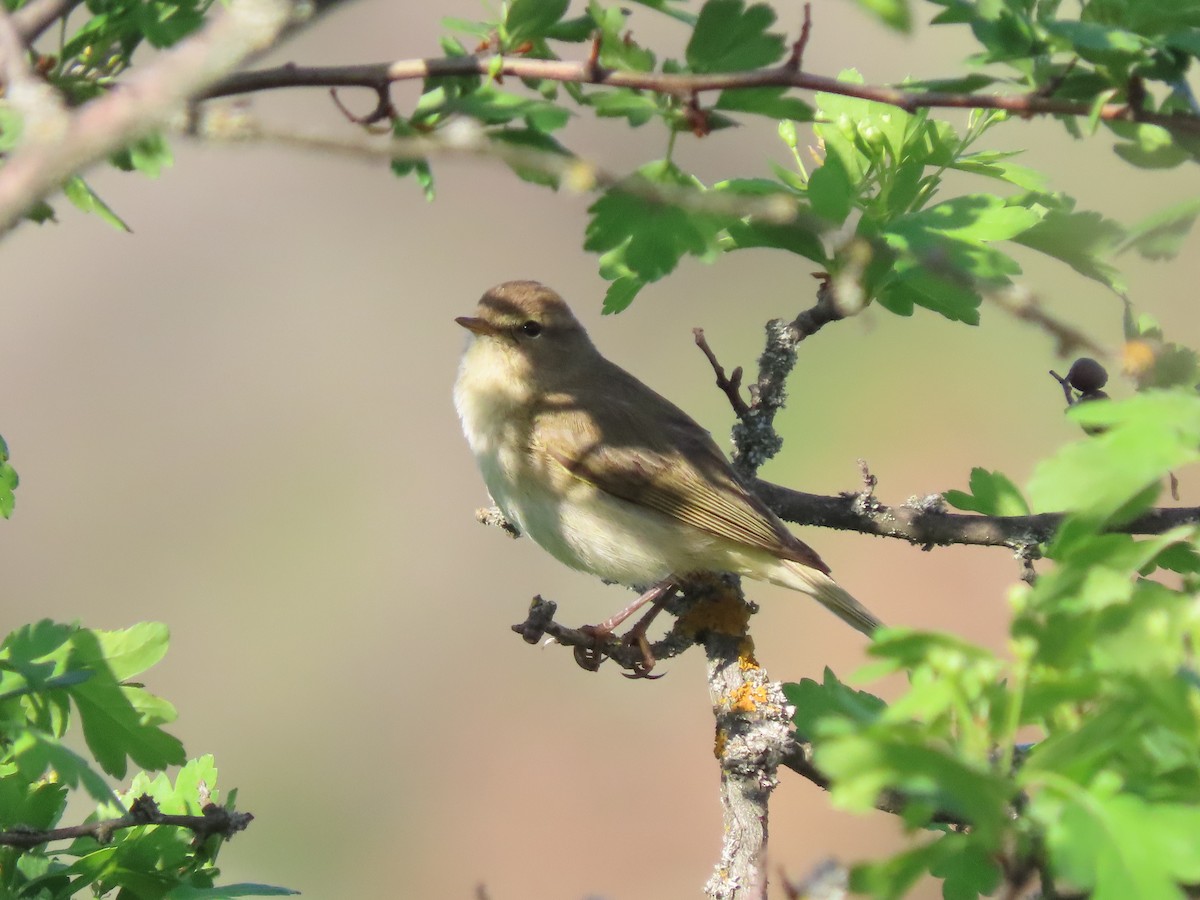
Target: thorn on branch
591	67
732	385
383	109
696	117
1050	88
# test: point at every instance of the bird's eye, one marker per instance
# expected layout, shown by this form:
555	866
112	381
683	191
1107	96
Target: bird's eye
532	328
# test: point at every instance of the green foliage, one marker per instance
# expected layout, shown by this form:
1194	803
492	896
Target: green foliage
51	673
907	211
992	493
1099	673
8	482
876	165
88	63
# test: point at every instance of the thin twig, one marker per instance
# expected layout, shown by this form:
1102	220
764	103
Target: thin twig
796	59
731	386
1022	304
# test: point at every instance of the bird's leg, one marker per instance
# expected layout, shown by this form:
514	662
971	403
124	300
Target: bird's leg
591	657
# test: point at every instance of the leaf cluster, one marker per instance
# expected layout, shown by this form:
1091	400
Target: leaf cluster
52	675
869	198
1075	757
88	61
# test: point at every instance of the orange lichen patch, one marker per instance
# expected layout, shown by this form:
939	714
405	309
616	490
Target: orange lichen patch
723	613
747	697
719	743
746	658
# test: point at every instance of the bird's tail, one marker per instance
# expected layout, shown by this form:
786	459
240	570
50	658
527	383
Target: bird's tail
828	593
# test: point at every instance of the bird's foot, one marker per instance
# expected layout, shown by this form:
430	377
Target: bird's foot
641	667
590	657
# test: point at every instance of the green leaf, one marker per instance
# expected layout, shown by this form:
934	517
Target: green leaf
133	650
8	482
149	155
817	704
1150	147
86	200
1144	438
730	37
968	870
994	165
35	753
620	294
634	106
492	106
792	238
862	766
977	218
1083	240
1098	43
1117	846
418	168
645	239
618	50
992	493
529	19
831	191
765	101
1161	235
893	13
242	889
914	285
533	139
892	878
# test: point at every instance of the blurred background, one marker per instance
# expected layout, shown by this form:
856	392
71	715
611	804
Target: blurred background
237	420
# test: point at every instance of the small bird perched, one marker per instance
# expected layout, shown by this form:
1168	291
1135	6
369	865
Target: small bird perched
604	473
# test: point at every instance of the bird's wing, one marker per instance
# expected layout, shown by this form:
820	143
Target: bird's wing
674	468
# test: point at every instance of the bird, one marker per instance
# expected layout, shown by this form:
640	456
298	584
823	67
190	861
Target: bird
607	475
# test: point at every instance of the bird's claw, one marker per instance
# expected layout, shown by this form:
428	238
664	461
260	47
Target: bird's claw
641	668
590	657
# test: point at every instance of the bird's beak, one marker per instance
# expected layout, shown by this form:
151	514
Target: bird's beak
476	325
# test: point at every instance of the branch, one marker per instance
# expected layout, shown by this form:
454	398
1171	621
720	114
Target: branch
752	717
467	139
62	143
587	72
755	439
32	19
925	521
753	733
143	811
